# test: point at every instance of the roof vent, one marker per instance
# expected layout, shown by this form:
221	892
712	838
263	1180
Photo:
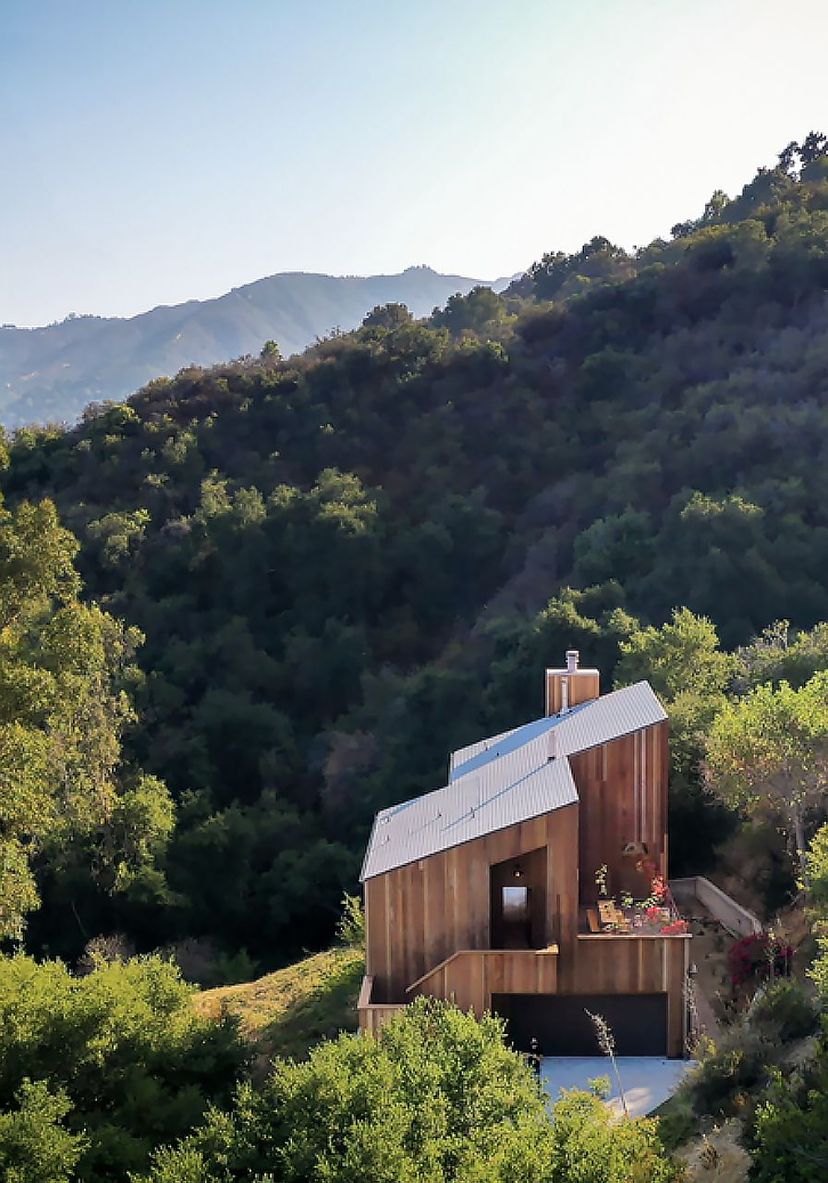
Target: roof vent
572	656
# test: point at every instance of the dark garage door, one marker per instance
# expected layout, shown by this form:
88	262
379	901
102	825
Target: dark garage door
560	1024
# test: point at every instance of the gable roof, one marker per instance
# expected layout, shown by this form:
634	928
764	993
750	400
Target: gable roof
478	804
585	726
506	779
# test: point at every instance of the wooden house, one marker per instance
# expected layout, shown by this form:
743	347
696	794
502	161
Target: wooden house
533	884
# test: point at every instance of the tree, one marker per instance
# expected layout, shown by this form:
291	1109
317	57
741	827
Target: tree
782	653
271	351
435	1096
791	1132
558	275
769	750
387	316
474	312
590	1143
817	882
681	657
64	669
35	1145
689	671
715	206
618	547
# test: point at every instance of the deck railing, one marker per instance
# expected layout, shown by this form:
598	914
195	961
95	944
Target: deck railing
373	1015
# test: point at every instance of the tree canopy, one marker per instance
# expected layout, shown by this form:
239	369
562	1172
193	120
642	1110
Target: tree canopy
64	676
770	750
349	562
437	1096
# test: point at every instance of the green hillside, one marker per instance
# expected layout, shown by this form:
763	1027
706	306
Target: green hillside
285	1013
348	563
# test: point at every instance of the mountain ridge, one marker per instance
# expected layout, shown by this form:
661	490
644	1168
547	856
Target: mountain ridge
52	372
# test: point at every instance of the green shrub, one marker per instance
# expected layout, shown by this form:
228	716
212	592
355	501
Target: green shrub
351	926
589	1143
121	1049
728	1070
791	1128
677	1120
436	1095
783	1011
35	1145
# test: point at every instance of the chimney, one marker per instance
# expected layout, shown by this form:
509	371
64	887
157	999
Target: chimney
569	687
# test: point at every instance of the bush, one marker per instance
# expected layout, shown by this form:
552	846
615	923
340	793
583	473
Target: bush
351	926
791	1131
35	1146
120	1051
436	1095
728	1070
589	1143
757	957
783	1011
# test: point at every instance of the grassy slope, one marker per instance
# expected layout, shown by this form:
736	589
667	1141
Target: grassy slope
286	1012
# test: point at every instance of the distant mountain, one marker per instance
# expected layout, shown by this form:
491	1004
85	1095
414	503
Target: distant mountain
52	373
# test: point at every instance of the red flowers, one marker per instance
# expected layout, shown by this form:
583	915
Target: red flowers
674	928
757	957
658	887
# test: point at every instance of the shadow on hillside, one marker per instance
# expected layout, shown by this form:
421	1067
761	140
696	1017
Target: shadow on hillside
322	1013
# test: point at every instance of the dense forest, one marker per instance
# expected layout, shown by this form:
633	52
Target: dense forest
341	565
254	603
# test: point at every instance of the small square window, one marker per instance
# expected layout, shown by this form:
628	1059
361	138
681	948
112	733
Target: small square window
515	903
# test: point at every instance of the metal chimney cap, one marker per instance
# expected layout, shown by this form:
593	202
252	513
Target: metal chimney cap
572	656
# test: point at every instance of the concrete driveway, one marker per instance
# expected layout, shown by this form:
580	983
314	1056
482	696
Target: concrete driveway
647	1080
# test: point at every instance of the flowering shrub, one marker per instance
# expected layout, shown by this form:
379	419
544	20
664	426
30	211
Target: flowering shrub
757	957
654	914
675	928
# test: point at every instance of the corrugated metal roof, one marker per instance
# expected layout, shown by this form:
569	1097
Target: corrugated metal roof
474	749
585	726
505	779
477	805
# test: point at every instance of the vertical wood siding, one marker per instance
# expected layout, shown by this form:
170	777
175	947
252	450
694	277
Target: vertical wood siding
420	915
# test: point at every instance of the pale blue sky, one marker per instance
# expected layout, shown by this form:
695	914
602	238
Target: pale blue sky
158	150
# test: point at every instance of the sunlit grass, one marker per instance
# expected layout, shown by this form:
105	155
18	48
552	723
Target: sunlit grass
286	1012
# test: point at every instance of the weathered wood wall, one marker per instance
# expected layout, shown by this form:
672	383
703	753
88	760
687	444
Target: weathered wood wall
581	686
418	915
620	964
472	976
605	964
622	787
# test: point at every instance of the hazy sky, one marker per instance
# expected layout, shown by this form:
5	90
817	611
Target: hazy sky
158	150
